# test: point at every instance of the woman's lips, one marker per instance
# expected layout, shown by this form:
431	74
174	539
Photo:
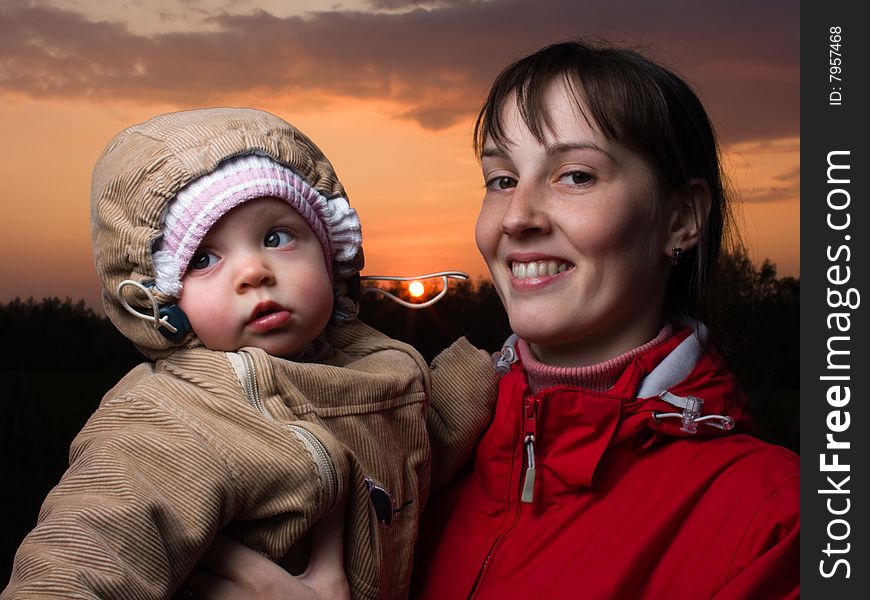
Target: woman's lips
538	268
528	273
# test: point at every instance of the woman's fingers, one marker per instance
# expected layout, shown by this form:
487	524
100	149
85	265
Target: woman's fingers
327	544
230	559
205	585
274	584
325	572
233	571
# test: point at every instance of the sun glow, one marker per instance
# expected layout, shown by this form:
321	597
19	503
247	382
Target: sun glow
416	289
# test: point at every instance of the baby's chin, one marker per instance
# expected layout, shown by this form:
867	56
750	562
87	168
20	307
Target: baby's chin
296	349
274	346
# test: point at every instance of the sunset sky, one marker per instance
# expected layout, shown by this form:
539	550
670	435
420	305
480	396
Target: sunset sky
387	88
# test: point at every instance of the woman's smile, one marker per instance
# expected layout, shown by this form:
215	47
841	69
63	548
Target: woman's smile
537	269
530	271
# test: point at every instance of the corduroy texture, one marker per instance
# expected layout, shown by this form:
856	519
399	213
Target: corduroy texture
455	413
144	167
175	454
200	205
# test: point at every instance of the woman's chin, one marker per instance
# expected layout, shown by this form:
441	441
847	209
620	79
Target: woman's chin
538	332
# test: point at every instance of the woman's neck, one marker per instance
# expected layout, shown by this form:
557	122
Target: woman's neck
601	343
599	376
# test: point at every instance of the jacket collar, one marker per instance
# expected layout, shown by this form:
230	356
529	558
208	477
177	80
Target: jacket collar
575	426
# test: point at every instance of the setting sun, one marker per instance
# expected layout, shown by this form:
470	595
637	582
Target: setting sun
416	289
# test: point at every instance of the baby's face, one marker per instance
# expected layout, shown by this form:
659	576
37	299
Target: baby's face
258	279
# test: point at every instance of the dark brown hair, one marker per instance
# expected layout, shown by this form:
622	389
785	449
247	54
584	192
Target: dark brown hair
641	105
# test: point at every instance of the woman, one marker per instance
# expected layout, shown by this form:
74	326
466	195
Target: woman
615	466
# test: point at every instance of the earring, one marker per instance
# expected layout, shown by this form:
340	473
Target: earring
676	254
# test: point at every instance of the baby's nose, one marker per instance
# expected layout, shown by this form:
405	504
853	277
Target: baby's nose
254	272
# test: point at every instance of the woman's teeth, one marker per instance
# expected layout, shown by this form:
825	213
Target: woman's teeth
538	268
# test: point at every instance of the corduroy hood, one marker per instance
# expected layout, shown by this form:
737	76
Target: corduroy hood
143	168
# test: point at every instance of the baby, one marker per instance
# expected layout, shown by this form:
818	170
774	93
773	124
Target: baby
228	253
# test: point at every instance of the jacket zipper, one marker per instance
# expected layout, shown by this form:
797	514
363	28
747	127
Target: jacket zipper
325	466
530	414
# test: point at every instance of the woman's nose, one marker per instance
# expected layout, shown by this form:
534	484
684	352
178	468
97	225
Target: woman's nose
525	213
253	271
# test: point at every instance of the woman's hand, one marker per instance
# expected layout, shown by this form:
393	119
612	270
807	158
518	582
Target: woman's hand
233	571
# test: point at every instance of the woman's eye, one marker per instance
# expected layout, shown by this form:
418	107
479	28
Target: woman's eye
575	178
501	183
203	260
276	239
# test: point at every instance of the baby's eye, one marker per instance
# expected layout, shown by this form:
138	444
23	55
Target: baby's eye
203	260
575	178
278	238
501	183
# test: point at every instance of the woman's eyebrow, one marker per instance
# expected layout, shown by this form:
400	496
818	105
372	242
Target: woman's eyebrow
557	148
561	147
493	152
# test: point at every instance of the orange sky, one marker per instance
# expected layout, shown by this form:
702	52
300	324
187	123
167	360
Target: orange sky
398	135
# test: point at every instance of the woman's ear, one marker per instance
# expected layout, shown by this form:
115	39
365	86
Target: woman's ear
690	209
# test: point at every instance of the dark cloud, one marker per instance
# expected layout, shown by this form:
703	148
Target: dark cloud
772	194
787	188
742	56
406	4
791	176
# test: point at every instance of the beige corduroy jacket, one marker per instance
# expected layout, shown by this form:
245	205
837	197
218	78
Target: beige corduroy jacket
261	448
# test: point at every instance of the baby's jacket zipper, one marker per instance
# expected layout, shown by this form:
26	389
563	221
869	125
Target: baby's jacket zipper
325	467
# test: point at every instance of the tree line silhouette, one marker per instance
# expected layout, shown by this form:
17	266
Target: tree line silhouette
59	357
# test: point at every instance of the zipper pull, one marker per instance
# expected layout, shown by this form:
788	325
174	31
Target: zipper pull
530	409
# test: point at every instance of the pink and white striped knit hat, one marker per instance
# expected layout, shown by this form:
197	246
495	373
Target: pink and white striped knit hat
199	205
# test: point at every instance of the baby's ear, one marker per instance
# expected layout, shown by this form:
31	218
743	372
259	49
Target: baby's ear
689	210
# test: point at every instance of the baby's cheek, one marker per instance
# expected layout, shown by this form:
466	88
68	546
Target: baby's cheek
209	318
317	295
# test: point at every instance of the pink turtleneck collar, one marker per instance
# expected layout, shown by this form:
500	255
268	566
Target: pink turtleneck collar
598	377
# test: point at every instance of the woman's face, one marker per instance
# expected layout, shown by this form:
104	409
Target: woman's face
568	231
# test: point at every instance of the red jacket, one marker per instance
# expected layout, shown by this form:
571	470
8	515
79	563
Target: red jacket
624	505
